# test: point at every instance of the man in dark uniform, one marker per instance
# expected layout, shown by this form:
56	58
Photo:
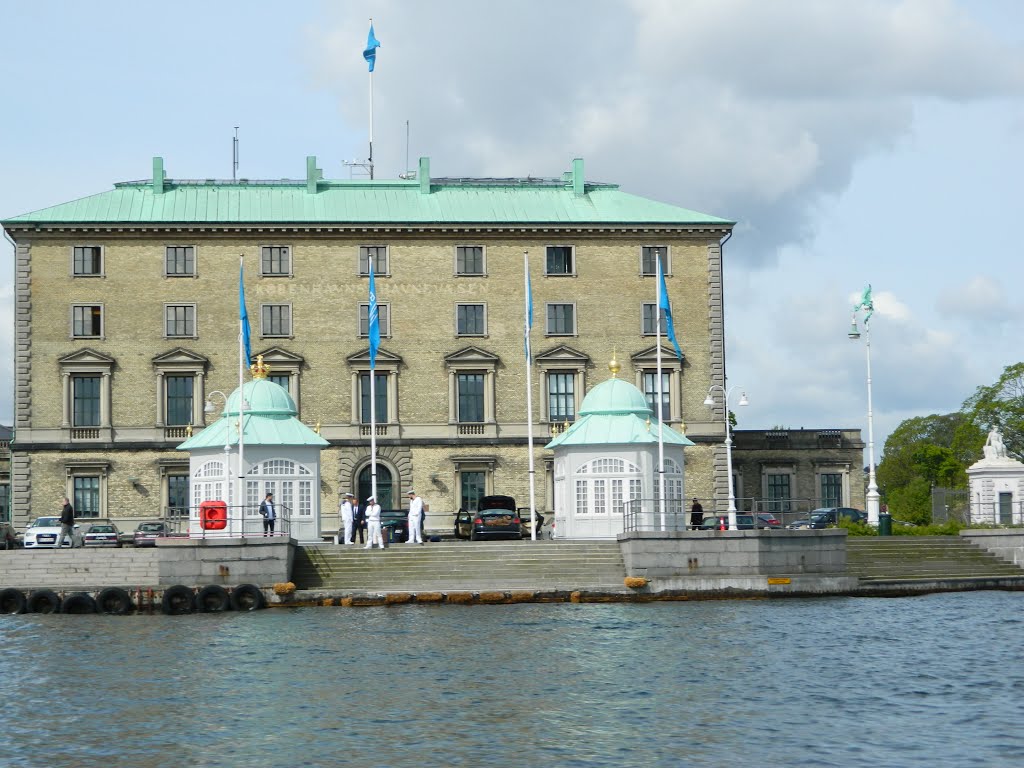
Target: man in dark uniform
696	514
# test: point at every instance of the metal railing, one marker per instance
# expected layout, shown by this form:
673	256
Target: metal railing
240	522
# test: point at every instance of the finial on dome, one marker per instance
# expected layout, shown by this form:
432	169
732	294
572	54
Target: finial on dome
613	365
259	369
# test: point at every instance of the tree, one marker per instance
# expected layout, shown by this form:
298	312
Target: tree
903	459
1000	404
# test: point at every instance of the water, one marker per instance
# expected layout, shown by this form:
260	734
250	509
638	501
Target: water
926	681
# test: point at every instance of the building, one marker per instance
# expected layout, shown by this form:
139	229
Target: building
127	318
5	474
792	471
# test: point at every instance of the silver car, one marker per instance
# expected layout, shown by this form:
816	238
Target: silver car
43	533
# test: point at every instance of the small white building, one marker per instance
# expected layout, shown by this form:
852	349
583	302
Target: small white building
607	462
996	485
280	455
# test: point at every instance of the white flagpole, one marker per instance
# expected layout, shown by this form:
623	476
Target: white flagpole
661	399
241	413
373	432
529	393
371	156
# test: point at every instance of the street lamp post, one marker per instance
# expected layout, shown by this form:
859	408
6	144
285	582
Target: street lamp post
710	401
872	495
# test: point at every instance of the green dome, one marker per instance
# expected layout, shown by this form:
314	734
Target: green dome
263	396
615	396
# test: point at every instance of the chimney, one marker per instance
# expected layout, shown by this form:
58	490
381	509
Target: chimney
158	175
424	176
313	174
577	177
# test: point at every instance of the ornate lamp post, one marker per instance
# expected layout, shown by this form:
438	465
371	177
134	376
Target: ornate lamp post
866	306
710	401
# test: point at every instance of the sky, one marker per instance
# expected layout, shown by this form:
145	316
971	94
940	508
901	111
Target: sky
878	142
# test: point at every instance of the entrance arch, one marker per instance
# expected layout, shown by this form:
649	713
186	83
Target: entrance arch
385	489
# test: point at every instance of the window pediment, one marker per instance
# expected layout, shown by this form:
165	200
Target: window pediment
562	356
282	357
87	357
180	357
384	359
473	357
646	358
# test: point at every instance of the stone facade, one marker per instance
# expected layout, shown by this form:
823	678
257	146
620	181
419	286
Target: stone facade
128	460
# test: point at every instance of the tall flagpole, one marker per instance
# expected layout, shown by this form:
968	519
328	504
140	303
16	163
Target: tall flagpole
661	399
373	331
241	405
527	325
371	47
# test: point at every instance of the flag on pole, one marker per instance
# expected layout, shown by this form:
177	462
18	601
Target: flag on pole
370	51
866	304
374	320
666	308
243	315
529	316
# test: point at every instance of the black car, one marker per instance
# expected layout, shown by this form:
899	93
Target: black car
394	525
463	524
497	518
823	517
720	522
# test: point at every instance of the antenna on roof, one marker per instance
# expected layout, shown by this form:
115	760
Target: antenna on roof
409	173
234	156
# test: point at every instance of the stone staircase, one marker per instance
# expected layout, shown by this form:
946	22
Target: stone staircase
888	558
462	566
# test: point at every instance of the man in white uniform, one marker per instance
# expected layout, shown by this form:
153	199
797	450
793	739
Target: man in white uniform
346	518
415	519
373	523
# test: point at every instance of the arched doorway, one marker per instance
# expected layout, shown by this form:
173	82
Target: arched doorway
385	491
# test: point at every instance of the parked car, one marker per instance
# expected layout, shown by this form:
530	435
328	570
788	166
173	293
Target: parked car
823	517
146	534
394	525
744	522
497	518
463	524
43	533
8	536
524	518
102	535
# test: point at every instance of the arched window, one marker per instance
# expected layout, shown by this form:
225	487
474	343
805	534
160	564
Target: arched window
211	481
385	490
608	484
290	482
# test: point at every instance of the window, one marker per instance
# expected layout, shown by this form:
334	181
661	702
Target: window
180	261
380	392
778	491
561	396
275	319
275	261
472	488
561	320
87	261
470	397
179	400
469	260
379	254
649	255
649	319
282	380
559	260
180	320
831	490
85	393
87	321
177	495
383	318
650	379
86	495
470	319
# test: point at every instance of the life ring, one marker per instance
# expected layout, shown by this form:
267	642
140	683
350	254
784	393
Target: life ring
213	515
177	600
213	598
12	600
247	597
78	603
114	601
44	601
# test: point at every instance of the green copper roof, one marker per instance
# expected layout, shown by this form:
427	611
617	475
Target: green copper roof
424	201
270	418
616	413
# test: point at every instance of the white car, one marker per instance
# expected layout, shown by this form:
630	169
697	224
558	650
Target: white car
44	531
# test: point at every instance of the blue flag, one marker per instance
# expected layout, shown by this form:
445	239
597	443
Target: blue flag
243	314
370	51
529	317
664	306
374	318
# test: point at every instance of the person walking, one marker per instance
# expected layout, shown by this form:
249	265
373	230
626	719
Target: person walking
346	519
373	524
696	514
269	514
67	523
415	519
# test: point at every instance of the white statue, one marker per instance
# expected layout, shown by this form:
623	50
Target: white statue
994	446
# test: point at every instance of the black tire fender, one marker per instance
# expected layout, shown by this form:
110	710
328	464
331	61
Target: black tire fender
213	598
178	600
12	600
247	597
44	601
114	601
78	603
